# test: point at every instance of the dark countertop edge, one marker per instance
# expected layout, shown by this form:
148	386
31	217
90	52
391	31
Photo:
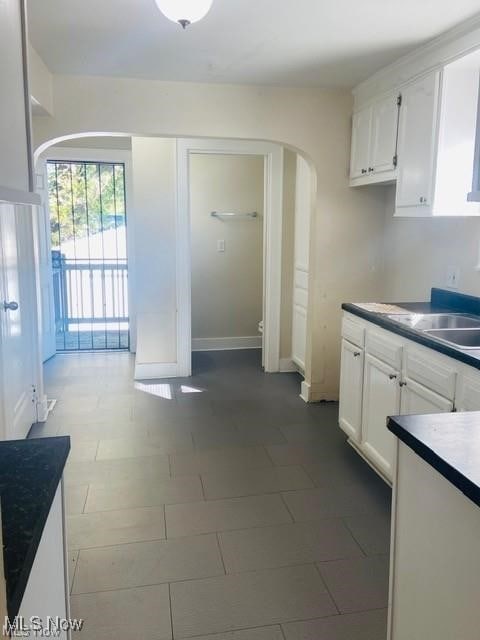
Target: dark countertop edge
13	604
381	320
398	426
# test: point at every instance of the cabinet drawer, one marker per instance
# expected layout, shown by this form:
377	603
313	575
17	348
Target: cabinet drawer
353	331
384	348
431	372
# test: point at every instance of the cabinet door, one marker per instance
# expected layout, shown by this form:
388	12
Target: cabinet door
361	137
468	395
384	134
351	387
381	398
417	399
416	143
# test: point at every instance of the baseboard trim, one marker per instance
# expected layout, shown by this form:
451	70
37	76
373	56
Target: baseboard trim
287	365
43	409
305	391
226	344
154	370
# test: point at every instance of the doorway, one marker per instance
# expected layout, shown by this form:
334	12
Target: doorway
88	238
271	224
226	218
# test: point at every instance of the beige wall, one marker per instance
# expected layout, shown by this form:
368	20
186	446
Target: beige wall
99	142
227	287
348	224
289	180
418	252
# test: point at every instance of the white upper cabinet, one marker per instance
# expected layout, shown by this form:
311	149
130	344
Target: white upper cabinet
374	139
436	145
417	138
384	134
361	140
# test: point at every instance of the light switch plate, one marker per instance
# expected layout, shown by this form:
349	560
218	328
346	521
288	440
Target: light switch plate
220	246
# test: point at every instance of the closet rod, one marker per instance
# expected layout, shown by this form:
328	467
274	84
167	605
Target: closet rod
231	214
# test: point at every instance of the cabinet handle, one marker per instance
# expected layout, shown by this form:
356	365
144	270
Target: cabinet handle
356	354
364	171
393	376
370	169
422	199
402	384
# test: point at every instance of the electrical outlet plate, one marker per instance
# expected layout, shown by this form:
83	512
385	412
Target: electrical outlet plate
220	246
453	277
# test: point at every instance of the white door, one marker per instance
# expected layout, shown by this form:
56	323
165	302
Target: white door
417	399
17	323
47	327
303	209
361	137
384	134
416	139
351	388
381	398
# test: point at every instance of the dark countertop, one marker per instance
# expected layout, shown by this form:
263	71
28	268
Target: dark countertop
449	442
441	301
30	471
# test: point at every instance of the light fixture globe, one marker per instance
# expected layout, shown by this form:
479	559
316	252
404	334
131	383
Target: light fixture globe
184	11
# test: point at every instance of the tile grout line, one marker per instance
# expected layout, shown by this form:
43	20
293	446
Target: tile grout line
345	523
220	552
282	497
326	588
85	501
170	607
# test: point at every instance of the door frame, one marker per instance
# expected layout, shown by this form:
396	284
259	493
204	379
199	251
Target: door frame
272	243
83	154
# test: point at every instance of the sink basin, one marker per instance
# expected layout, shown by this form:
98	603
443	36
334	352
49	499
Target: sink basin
437	321
460	338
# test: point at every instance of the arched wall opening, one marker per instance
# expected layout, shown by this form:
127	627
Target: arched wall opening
167	148
346	236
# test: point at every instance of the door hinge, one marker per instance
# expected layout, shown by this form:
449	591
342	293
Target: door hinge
395	160
399	100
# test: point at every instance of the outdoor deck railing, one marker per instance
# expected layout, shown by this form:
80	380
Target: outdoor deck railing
89	291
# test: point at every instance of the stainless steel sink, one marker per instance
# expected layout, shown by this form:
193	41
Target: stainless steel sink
463	338
437	321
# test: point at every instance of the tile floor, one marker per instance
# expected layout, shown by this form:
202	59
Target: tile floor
219	507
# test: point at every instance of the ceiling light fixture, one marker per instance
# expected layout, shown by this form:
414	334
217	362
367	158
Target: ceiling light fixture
184	11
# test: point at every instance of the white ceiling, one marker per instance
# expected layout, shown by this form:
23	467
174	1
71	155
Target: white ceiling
334	43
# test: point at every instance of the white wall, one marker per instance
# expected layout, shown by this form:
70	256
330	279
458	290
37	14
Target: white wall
41	83
153	172
348	224
419	251
227	287
14	119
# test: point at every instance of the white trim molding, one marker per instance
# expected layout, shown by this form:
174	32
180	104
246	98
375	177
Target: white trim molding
305	391
155	370
273	214
444	49
226	344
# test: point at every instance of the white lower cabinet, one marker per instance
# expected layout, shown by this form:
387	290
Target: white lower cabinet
417	399
385	375
381	398
468	395
351	386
